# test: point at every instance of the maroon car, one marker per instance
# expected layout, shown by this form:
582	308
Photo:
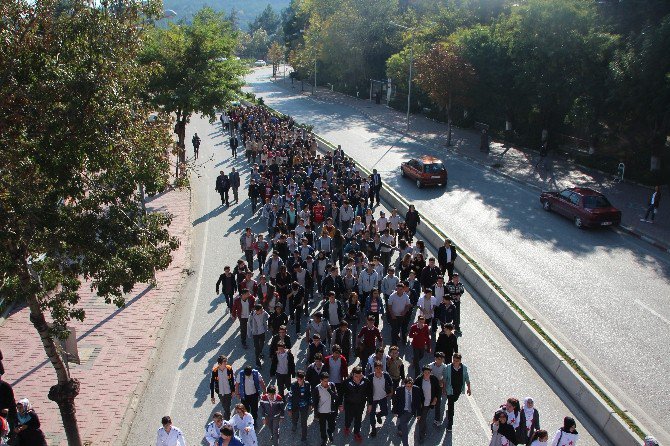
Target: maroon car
584	206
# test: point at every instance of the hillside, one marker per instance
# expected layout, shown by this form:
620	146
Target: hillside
246	10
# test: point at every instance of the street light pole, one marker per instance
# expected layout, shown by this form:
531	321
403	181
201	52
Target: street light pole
411	62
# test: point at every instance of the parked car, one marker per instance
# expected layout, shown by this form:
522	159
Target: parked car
260	63
425	171
584	206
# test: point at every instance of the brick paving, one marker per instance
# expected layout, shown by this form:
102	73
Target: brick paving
518	164
115	345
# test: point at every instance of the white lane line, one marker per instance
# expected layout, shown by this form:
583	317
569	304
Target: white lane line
194	306
646	307
480	416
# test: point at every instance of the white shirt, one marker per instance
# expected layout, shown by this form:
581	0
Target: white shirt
335	367
426	307
398	303
239	423
382	222
212	433
249	385
174	438
426	387
245	309
378	387
282	363
224	385
324	400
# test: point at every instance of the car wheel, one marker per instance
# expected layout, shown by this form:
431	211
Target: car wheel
418	184
444	184
546	205
402	172
579	223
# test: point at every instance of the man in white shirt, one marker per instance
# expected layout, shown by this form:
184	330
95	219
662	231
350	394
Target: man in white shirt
426	305
169	435
396	309
213	429
437	369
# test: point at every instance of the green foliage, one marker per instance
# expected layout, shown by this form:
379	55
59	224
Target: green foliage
76	146
268	20
192	66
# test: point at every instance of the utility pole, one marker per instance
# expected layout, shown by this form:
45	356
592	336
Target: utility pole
411	62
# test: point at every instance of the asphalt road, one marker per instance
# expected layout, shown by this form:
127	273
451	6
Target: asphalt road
201	330
602	294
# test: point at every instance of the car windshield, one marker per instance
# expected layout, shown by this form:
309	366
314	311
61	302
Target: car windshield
595	202
434	168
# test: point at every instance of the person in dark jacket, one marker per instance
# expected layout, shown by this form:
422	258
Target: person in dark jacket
407	403
412	220
283	367
234	178
447	341
234	144
343	337
222	187
356	397
254	195
380	389
325	411
529	421
7	403
28	425
222	383
433	385
299	402
228	287
446	256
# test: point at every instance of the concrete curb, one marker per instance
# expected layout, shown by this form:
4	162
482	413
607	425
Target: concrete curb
131	409
562	367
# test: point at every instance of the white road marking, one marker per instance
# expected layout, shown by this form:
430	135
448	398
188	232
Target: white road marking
480	416
655	313
194	306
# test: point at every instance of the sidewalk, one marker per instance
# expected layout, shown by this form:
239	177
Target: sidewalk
116	346
517	164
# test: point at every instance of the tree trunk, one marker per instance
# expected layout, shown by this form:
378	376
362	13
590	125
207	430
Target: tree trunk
67	388
449	121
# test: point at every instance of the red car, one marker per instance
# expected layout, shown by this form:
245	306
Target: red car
584	206
425	171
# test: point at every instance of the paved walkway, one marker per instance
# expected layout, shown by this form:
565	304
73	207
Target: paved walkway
116	346
518	164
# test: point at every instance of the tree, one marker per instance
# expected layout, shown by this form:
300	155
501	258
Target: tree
446	77
192	68
275	56
76	145
267	20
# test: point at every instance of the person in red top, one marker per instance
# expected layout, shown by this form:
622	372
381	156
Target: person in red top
366	341
243	306
318	214
420	335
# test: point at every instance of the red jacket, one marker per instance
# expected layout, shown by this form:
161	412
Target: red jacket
420	336
344	371
319	211
236	311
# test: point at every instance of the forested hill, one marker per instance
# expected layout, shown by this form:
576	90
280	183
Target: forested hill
245	10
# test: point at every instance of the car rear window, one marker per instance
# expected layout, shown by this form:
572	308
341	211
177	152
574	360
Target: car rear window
595	202
434	168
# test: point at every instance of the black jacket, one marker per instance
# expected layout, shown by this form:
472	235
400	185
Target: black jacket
275	340
291	364
312	376
399	400
228	284
435	388
222	184
446	344
343	339
442	255
357	393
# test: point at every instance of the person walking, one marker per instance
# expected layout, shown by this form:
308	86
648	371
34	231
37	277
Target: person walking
529	421
376	186
234	178
412	220
381	389
299	403
356	396
243	422
222	187
324	397
502	433
272	408
168	435
249	388
283	367
407	403
228	287
223	383
430	387
242	309
456	381
652	208
437	369
196	145
213	429
367	340
566	435
247	240
420	335
446	256
456	291
258	325
228	437
234	144
397	308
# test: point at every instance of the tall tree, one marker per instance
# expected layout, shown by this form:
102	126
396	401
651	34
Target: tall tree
76	145
194	70
275	56
267	20
446	77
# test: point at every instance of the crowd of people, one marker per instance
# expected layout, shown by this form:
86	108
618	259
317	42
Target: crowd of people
374	303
